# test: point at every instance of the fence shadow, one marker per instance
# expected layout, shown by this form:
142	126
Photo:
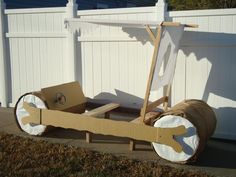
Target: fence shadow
125	99
199	42
218	50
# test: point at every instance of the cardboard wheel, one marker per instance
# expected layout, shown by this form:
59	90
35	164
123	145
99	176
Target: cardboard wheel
189	141
20	112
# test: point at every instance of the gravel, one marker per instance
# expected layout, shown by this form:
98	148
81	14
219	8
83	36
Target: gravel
26	157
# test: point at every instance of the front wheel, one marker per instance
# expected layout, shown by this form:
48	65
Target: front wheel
189	141
20	113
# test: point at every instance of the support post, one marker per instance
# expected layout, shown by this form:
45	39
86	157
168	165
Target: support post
161	10
70	63
152	70
3	63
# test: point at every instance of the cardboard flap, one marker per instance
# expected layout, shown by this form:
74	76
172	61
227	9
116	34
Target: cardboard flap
62	97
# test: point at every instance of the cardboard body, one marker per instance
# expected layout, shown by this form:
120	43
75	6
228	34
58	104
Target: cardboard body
104	126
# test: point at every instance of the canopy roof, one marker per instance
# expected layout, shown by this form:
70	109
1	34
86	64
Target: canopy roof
124	23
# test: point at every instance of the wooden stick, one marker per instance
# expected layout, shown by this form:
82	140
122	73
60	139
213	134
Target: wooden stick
151	35
156	103
102	109
149	116
167	95
170	24
178	24
152	70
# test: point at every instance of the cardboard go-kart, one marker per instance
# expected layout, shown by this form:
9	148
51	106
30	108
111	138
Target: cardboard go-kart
65	105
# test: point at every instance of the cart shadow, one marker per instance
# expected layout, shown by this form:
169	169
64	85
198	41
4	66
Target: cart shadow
216	154
62	133
69	134
121	97
180	139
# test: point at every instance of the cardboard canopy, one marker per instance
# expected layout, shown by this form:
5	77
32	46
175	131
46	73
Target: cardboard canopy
83	23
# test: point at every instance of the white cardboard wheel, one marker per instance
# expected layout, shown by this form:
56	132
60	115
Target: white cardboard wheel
189	141
20	112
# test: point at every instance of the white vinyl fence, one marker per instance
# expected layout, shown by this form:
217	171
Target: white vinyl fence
112	63
37	42
38	50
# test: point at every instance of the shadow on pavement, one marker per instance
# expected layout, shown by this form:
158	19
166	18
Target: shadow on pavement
218	153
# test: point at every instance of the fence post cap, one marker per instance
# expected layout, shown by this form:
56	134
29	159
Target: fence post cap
71	2
160	2
161	10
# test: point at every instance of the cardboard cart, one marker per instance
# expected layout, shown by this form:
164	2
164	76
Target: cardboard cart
64	105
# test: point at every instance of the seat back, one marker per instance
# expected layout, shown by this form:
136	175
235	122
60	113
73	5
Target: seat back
65	97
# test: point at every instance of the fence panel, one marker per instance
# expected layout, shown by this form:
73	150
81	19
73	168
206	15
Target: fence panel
37	45
116	60
206	64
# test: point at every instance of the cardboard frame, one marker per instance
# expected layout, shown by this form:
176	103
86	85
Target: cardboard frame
70	100
104	126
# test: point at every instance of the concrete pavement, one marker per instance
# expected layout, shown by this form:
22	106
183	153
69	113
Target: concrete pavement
218	158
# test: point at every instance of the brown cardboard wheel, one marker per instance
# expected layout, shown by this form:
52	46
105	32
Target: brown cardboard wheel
200	121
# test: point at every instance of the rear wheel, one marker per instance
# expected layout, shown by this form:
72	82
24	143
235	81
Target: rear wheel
20	113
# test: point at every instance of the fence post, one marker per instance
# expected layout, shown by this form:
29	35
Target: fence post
71	10
161	9
3	65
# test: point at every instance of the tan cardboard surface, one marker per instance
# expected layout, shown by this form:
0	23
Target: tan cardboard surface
64	96
104	126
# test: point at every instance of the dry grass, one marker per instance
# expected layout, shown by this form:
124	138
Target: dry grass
26	157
